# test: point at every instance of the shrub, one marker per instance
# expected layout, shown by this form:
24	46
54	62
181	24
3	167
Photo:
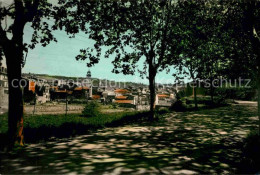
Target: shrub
236	93
178	106
251	152
126	105
162	110
188	102
114	105
180	94
92	109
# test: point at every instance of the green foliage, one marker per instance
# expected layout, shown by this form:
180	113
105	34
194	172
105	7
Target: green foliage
136	32
188	102
126	105
3	123
251	152
202	42
178	106
29	97
180	94
188	91
114	105
92	109
42	127
148	29
30	12
236	93
243	48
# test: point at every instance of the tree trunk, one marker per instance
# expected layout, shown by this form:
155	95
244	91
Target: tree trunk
258	87
15	114
195	98
251	22
152	75
256	47
258	101
212	91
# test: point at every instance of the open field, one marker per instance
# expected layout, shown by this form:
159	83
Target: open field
205	141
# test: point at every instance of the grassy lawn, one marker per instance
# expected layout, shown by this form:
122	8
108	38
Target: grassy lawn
41	127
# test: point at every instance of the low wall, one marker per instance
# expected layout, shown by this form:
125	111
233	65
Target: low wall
53	109
142	107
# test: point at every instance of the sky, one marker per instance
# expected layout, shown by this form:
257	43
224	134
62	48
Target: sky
59	59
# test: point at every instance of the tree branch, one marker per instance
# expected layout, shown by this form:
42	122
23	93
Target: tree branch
19	21
3	37
164	39
256	35
31	10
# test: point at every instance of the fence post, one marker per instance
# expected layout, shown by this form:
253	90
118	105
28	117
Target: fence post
34	104
66	104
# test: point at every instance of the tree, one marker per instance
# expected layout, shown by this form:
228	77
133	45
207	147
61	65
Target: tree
242	23
88	74
202	55
233	45
213	63
134	31
192	37
14	17
190	65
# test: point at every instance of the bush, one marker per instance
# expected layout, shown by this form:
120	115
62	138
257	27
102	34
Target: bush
180	94
251	153
92	109
178	106
126	105
188	102
236	93
162	111
114	105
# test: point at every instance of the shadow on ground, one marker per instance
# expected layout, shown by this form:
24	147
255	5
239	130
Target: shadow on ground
206	141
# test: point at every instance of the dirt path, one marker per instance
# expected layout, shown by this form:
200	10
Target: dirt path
247	103
180	143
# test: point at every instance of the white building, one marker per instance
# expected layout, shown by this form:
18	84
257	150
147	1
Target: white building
3	86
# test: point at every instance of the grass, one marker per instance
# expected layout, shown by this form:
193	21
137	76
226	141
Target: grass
43	127
204	102
3	123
